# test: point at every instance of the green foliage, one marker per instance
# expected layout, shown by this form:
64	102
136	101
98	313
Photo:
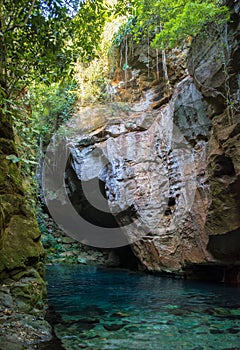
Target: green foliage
35	116
168	23
88	26
40	42
25	143
41	39
51	106
32	38
126	29
188	19
126	7
92	77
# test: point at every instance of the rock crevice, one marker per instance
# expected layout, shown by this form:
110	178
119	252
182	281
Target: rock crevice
174	159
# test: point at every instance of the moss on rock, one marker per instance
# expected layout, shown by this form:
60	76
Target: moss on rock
29	291
20	243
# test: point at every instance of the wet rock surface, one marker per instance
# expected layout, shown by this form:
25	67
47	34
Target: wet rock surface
21	326
220	88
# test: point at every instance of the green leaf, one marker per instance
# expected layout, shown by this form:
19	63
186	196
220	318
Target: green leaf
13	158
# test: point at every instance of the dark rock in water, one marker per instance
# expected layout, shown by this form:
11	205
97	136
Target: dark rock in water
233	330
85	326
78	326
54	344
177	312
90	321
132	328
222	313
74	313
170	322
52	316
114	326
93	310
216	331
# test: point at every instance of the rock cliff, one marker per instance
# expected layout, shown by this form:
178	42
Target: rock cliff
23	287
170	144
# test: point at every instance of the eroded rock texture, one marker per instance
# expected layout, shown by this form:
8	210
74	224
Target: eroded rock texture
23	287
172	157
215	67
155	167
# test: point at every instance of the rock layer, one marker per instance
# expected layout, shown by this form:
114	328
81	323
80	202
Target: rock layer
156	172
173	159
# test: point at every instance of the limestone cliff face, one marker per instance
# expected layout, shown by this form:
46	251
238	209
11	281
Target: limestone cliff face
21	269
215	67
173	156
156	171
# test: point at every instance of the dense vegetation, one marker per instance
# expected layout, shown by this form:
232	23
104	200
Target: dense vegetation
167	23
41	41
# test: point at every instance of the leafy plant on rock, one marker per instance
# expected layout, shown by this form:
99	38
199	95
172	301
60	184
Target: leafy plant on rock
169	22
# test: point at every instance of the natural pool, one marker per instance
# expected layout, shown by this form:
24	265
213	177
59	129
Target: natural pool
117	309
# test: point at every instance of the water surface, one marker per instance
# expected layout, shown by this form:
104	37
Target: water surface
117	309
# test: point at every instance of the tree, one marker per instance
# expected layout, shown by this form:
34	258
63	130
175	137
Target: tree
31	41
169	22
88	27
41	39
183	18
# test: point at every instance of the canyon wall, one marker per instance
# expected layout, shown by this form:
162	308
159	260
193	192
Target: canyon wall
171	140
22	271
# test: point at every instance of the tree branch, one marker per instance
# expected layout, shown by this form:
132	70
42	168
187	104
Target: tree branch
25	20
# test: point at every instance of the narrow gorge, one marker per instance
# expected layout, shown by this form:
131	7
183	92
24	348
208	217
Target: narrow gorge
147	180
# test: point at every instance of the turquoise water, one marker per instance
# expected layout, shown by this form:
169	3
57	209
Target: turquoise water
117	309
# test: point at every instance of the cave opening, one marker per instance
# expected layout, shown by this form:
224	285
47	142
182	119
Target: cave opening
101	217
86	209
205	272
226	246
223	166
127	259
217	273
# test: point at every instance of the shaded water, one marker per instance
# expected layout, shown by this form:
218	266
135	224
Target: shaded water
118	309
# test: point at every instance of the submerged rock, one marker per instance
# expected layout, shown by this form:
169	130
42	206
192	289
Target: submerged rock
114	326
